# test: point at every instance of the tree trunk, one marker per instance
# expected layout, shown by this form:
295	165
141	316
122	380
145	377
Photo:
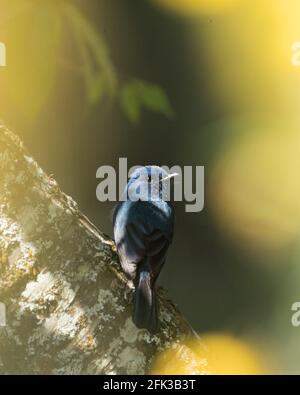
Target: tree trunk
68	304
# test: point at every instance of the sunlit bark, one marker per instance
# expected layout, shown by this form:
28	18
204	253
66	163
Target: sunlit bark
68	305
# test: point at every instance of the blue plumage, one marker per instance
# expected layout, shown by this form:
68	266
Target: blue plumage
143	231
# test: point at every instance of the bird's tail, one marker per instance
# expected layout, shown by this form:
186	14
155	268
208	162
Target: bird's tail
145	306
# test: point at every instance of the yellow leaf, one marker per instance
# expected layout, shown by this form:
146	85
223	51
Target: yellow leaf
32	40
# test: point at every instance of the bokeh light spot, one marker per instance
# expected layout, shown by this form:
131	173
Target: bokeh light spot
213	354
255	188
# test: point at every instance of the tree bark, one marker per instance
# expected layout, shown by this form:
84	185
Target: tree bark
68	304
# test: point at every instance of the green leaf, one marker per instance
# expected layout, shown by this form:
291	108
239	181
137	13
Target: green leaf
131	103
138	95
98	71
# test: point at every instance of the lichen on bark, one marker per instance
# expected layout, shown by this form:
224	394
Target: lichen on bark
68	304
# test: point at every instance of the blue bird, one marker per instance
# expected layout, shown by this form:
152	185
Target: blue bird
143	230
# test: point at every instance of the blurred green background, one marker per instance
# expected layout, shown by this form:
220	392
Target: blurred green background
193	82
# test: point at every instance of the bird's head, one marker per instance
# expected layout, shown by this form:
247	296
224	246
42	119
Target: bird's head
149	183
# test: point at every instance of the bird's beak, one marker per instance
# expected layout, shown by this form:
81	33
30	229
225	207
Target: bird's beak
170	176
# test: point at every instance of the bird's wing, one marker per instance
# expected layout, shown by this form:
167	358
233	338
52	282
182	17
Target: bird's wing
147	232
154	219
